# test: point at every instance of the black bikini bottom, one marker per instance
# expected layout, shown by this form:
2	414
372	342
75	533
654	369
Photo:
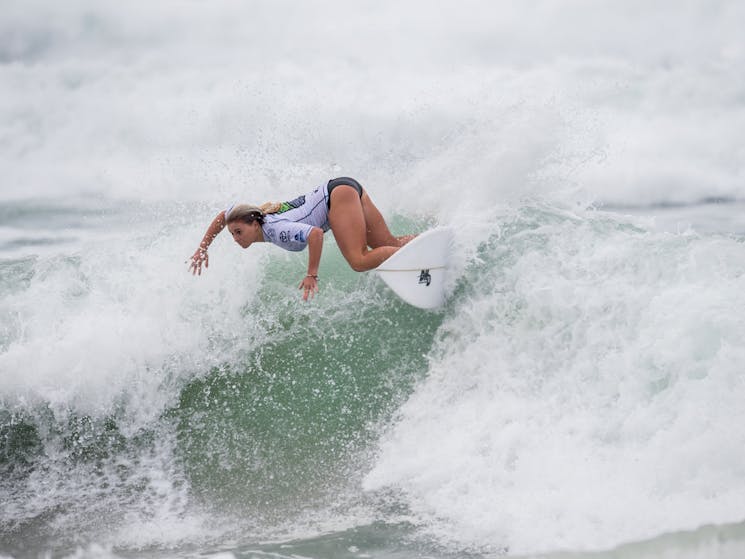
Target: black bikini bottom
333	183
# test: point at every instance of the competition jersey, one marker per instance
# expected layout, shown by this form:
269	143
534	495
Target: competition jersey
290	226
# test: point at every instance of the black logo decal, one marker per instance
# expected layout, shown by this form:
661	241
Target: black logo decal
425	278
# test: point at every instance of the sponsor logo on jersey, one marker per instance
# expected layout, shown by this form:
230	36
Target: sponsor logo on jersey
291	205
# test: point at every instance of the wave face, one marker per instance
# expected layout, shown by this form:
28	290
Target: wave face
579	394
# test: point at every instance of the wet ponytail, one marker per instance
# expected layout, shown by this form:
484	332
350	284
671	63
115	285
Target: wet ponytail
248	213
245	213
270	207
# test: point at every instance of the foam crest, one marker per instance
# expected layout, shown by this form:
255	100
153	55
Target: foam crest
119	321
102	340
589	371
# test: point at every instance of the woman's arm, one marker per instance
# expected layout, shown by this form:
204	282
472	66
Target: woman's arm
309	285
200	255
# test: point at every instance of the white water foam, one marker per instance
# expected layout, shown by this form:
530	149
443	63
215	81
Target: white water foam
119	319
587	392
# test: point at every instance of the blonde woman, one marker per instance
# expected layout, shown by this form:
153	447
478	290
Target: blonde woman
340	205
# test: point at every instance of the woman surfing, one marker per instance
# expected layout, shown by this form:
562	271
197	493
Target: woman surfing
341	205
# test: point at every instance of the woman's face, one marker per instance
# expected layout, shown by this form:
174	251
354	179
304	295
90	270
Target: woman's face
244	233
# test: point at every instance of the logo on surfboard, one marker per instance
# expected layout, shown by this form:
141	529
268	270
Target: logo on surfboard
425	278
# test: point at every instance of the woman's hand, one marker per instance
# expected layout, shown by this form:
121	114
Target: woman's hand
201	256
196	261
309	285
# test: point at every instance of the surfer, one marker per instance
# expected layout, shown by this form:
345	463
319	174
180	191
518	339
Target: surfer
341	205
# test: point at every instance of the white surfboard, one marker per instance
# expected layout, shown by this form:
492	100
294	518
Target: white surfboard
417	271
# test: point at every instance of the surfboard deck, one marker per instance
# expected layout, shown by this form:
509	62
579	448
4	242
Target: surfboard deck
417	271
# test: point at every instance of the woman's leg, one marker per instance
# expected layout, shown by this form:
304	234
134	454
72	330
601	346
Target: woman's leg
378	234
347	218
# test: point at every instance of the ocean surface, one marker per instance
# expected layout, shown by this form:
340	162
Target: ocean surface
580	396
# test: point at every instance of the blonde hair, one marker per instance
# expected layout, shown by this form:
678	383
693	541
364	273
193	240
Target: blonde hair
248	213
270	207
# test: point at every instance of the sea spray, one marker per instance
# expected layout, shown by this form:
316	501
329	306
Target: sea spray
588	369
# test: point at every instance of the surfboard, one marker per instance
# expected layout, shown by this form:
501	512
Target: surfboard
417	271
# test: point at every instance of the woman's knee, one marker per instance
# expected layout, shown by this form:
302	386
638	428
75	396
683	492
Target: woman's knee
369	259
357	263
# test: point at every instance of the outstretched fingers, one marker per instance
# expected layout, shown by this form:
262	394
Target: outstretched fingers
198	258
309	285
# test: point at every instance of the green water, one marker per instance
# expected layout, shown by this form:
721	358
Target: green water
288	423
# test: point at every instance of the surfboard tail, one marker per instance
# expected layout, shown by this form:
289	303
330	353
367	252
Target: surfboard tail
417	272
